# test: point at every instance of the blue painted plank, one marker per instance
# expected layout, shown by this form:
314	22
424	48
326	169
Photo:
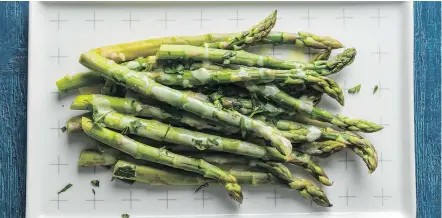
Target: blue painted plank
427	105
13	92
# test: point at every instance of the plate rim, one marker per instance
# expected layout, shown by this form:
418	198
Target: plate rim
32	209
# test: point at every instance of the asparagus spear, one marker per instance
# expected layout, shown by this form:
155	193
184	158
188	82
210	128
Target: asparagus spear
247	106
139	109
145	86
336	140
159	131
321	149
72	82
305	187
321	56
168	176
302	39
202	76
199	140
148	153
339	62
246	38
113	89
73	124
132	50
174	52
94	158
272	92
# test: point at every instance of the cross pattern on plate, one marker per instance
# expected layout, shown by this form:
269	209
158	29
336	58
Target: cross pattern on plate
94	199
378	17
166	20
58	21
237	19
130	20
58	200
379	52
382	196
58	128
274	197
94	21
58	164
308	18
58	56
167	199
201	19
203	198
344	18
382	160
346	196
130	199
346	160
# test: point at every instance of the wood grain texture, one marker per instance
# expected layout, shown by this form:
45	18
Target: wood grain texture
13	77
427	106
13	92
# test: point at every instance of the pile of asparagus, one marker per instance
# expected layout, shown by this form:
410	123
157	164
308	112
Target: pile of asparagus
196	110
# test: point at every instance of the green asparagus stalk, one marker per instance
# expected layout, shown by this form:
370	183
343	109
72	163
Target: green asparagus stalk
72	82
251	106
133	50
159	131
302	39
335	141
169	176
178	52
248	106
321	56
148	153
339	62
305	187
73	124
272	92
139	109
202	76
145	86
76	81
113	89
94	158
246	38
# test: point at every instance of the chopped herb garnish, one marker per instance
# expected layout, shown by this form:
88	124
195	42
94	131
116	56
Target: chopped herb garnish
355	89
201	187
95	183
125	215
375	89
63	129
65	188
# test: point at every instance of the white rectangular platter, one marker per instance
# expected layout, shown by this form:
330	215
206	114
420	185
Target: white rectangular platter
381	33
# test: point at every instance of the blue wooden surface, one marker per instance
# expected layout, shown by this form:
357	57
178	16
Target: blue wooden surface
427	104
13	79
13	92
